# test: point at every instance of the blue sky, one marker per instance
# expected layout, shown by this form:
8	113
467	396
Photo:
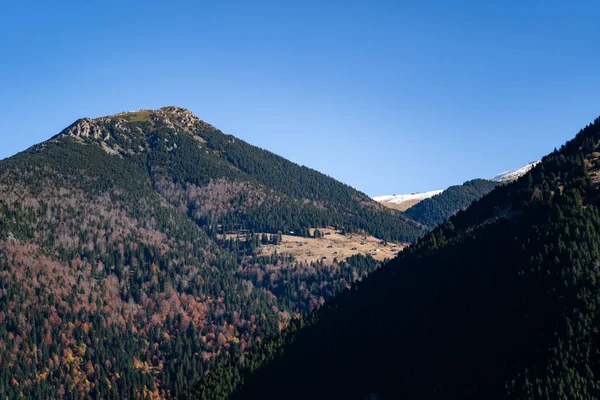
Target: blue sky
389	97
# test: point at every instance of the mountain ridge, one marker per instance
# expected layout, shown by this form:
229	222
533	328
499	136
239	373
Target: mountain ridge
164	133
513	174
506	176
400	198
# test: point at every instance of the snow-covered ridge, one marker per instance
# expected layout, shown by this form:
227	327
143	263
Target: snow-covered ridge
514	174
401	198
504	177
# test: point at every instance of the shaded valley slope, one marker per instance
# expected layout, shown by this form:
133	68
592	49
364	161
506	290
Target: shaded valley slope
501	301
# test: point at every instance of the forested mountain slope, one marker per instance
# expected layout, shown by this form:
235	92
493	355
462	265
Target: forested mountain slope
218	179
114	280
499	302
435	210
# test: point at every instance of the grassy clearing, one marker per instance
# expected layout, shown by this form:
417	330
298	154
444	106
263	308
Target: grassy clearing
332	245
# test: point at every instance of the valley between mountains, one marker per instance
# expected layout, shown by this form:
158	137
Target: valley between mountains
499	301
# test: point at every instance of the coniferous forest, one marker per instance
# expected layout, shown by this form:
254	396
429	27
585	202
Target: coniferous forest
435	210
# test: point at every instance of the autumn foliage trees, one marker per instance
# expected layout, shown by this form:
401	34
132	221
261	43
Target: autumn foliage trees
114	283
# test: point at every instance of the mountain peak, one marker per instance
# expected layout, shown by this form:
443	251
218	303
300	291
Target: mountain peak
110	129
176	116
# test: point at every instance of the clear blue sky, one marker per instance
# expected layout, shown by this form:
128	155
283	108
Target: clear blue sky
389	97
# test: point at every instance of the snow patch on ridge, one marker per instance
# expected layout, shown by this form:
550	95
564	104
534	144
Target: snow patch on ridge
514	174
504	177
401	198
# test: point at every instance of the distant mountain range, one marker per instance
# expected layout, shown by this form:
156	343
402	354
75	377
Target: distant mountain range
403	202
436	209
